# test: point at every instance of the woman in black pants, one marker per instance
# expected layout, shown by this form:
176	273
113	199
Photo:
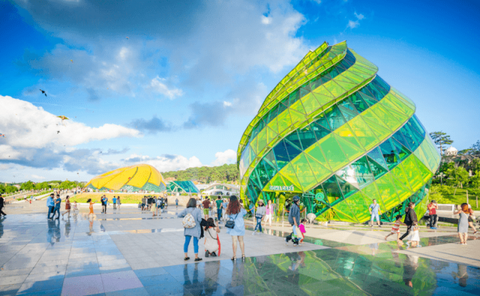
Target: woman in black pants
2	204
410	219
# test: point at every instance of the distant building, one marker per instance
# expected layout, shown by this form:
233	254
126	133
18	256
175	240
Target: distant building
170	179
451	151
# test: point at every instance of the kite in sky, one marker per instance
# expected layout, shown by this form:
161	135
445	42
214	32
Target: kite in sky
43	92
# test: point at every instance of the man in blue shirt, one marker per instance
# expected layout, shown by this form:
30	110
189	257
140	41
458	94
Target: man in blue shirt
50	205
114	200
294	220
104	204
374	210
58	202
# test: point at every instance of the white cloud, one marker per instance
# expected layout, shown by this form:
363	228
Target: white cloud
227	104
158	85
38	177
226	157
353	24
165	163
266	20
359	16
28	126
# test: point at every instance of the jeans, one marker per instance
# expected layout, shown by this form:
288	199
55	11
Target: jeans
187	242
433	220
374	215
105	208
219	214
259	224
50	211
56	210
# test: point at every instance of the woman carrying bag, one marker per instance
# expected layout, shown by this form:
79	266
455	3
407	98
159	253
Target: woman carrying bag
235	225
192	217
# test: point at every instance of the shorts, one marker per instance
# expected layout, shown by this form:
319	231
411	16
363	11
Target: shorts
470	219
143	205
395	231
374	216
205	211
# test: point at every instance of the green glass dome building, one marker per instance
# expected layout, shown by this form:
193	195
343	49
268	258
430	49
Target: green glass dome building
337	135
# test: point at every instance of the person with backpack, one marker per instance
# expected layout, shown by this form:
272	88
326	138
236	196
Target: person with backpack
235	225
294	220
410	220
192	217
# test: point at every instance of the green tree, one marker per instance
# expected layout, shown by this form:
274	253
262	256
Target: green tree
475	150
475	180
457	176
27	185
441	139
11	189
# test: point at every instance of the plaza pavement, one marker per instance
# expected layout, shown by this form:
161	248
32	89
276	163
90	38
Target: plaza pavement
127	252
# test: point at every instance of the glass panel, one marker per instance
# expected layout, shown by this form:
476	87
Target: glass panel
271	171
294	139
319	170
413	175
377	155
350	149
281	155
389	154
363	133
307	137
320	131
347	188
398	136
362	173
335	118
402	152
376	169
332	191
316	153
371	192
387	192
304	172
358	203
322	121
292	150
347	109
344	208
333	153
358	102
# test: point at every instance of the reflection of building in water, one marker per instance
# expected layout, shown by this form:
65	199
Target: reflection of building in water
336	134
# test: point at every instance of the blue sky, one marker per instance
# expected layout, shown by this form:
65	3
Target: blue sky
175	83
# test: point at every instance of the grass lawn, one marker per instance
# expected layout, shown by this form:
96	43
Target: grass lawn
126	198
461	197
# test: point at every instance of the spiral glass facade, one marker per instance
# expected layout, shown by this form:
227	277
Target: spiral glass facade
336	134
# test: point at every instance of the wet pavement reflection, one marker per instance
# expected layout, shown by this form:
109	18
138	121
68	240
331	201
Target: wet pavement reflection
77	256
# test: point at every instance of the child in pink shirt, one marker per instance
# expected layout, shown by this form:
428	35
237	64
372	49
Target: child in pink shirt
302	229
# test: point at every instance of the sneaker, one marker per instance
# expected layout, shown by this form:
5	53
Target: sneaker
213	254
207	254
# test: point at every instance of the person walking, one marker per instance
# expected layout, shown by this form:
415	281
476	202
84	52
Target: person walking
2	204
269	213
58	203
119	202
67	206
176	203
192	219
224	208
219	208
102	200
90	207
410	219
166	202
206	207
374	210
462	228
294	220
260	213
235	213
114	200
154	206
50	205
432	212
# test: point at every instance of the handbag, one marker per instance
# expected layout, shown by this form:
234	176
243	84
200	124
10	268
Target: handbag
231	223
